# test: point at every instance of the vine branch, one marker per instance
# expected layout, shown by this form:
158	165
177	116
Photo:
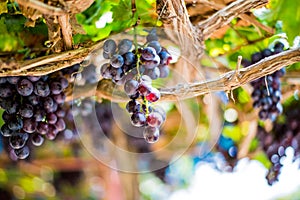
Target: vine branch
226	15
226	82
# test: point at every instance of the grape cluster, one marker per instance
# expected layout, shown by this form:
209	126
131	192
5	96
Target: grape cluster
267	91
135	67
284	134
33	110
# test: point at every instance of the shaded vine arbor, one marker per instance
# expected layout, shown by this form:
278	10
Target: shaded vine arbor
58	34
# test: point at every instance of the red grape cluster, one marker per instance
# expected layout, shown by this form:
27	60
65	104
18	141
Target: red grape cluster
267	91
33	110
136	67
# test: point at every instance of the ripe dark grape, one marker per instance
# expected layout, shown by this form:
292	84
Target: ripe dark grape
129	58
33	78
15	124
124	46
138	119
37	140
13	79
5	131
41	89
25	87
133	106
105	71
130	87
42	128
5	90
26	111
109	48
154	119
153	96
29	125
153	73
22	153
51	118
117	61
59	98
18	140
155	45
163	71
56	87
148	53
151	134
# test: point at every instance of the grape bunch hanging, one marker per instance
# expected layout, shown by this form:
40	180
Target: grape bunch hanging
285	133
33	110
135	67
266	93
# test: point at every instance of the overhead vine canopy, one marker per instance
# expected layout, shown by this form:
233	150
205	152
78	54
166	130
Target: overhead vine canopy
217	41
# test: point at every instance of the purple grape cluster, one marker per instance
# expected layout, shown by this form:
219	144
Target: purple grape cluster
285	133
267	96
33	110
135	67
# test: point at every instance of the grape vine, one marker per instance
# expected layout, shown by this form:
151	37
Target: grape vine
135	67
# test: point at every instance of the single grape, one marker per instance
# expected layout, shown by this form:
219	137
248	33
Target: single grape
153	96
151	64
15	124
29	125
117	73
26	111
3	80
51	118
22	153
138	119
56	87
59	98
18	140
153	73
41	88
266	53
64	82
13	79
133	106
48	102
154	119
256	57
155	45
161	111
60	124
39	115
165	57
105	71
7	117
109	47
164	71
130	87
129	58
124	46
52	132
148	53
117	61
33	99
25	87
6	90
144	88
152	36
60	112
151	134
5	131
42	128
37	139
